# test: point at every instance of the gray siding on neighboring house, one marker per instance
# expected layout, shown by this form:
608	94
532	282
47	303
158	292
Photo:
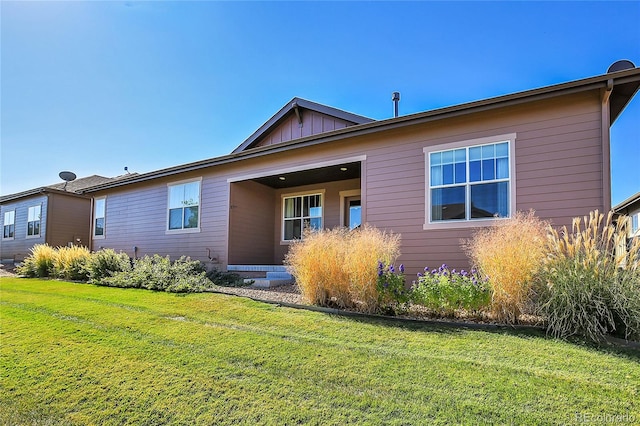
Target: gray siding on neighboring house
558	172
19	247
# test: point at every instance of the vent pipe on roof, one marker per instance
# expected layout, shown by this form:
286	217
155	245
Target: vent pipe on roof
395	97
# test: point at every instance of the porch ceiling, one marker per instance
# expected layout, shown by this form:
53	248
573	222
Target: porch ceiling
312	176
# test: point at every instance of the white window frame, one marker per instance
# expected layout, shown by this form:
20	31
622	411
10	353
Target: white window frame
168	207
478	222
635	230
320	192
12	215
29	221
103	217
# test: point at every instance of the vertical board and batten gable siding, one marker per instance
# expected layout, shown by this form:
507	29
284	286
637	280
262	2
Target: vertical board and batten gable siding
312	123
251	231
69	220
19	247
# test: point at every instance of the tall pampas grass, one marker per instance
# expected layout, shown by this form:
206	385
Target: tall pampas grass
339	267
509	253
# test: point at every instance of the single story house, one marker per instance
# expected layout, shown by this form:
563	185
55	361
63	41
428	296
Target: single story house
56	214
432	177
631	207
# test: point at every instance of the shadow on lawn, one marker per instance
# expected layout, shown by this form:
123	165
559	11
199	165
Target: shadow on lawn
613	346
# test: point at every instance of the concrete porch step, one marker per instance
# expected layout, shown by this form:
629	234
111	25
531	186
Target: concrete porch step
276	275
267	283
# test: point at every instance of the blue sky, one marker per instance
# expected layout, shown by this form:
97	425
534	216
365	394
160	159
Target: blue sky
93	87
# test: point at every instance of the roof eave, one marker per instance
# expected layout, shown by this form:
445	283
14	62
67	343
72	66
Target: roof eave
577	86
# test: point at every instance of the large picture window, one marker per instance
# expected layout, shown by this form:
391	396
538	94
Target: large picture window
99	210
9	225
184	206
33	221
300	213
469	183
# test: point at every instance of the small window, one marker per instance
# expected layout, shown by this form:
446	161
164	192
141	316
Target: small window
9	225
184	206
99	209
469	183
300	213
635	223
33	221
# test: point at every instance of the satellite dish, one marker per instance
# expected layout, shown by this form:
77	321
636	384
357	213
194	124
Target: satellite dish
620	66
67	177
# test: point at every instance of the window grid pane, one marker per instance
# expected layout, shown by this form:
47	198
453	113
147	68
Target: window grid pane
184	205
483	172
301	212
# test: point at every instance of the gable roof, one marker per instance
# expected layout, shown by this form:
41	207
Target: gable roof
628	203
621	86
295	106
72	188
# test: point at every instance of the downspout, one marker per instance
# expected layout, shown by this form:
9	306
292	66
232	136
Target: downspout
605	124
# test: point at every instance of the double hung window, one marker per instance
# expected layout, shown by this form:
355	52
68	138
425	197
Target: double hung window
184	206
469	183
33	221
9	225
300	213
99	210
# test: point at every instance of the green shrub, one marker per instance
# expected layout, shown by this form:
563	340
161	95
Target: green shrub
338	267
588	287
69	263
159	273
225	279
105	263
39	263
510	252
393	296
445	291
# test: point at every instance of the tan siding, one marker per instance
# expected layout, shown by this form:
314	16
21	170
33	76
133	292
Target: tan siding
251	224
69	220
558	160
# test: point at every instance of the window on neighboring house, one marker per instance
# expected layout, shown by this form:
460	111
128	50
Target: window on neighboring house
184	205
299	213
635	223
469	183
99	208
33	221
9	224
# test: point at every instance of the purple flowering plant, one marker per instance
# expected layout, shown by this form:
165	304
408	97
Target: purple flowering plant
446	290
393	296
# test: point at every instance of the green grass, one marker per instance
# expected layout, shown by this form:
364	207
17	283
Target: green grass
80	354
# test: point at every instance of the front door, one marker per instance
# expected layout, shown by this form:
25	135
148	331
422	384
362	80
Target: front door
353	212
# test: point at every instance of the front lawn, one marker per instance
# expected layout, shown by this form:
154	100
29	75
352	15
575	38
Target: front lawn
81	354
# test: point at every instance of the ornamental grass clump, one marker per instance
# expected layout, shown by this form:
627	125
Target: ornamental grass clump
39	263
446	291
510	252
337	267
69	263
590	282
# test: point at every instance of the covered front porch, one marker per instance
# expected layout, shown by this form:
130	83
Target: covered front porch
269	211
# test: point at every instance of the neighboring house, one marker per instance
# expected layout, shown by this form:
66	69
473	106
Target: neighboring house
57	215
631	207
432	177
